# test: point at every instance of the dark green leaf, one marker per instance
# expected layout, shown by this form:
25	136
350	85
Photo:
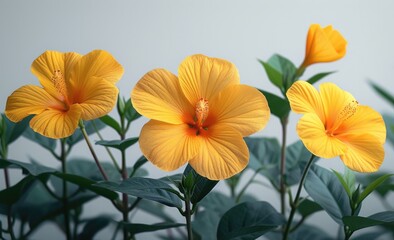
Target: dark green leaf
248	220
383	189
38	170
135	228
33	169
344	183
308	207
206	221
264	157
202	185
93	226
15	130
318	77
109	121
383	93
47	143
12	194
273	75
118	144
297	157
141	161
326	190
130	112
156	209
372	186
278	106
146	188
356	222
286	68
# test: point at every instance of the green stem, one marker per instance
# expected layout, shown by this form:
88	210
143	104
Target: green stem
188	216
85	135
240	194
65	198
107	148
7	185
297	196
282	185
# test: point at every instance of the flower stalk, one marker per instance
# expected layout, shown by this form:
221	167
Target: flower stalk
65	197
283	166
294	205
86	137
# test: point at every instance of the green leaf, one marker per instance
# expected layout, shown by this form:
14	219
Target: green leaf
273	75
372	186
389	121
47	143
109	121
318	77
135	228
38	171
33	169
15	130
327	191
297	157
156	209
12	194
206	222
93	226
308	207
264	157
356	222
202	185
248	220
286	68
139	163
344	184
146	188
118	144
130	112
383	93
278	106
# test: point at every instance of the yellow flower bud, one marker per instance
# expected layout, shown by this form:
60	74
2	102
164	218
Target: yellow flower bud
323	45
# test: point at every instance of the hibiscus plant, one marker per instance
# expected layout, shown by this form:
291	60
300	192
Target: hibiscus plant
200	119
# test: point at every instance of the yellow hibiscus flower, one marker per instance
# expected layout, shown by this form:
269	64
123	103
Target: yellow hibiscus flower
323	45
199	117
74	87
334	124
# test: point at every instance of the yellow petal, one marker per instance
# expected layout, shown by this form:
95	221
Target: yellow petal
313	134
223	153
168	146
204	77
304	98
242	107
365	120
339	105
97	63
57	124
97	97
365	154
323	45
158	96
29	100
47	63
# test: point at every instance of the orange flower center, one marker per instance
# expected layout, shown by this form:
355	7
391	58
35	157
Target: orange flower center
60	85
201	114
347	112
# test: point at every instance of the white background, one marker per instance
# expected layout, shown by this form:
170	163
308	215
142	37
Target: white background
147	34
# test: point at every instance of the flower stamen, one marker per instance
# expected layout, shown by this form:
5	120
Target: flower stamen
59	83
202	110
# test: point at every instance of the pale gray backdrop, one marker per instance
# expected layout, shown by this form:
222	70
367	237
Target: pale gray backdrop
147	34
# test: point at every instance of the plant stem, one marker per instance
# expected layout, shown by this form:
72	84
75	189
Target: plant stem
85	135
188	216
7	185
125	199
107	148
297	196
282	186
65	198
